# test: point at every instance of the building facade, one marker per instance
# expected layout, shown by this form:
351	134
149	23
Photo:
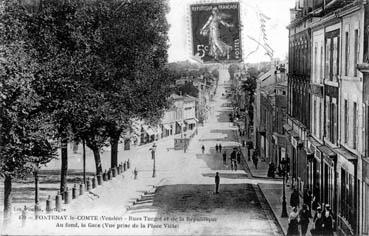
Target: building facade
271	97
334	144
298	100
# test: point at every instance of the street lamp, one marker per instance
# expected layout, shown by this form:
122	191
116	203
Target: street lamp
36	169
284	164
185	143
153	148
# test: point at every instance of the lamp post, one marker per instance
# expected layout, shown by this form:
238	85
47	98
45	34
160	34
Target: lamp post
284	204
36	169
153	148
185	143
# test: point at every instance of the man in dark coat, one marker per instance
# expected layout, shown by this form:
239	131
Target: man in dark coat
255	160
220	147
295	198
224	157
216	147
217	181
233	160
308	198
304	219
271	170
319	224
239	157
327	221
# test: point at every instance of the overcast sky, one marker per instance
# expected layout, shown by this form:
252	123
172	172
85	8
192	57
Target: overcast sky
277	10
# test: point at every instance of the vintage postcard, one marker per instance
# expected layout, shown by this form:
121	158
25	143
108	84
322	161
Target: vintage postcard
184	117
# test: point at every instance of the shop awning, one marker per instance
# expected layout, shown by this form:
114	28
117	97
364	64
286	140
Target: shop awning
314	142
294	134
287	127
191	121
280	139
166	126
148	130
180	123
346	154
327	151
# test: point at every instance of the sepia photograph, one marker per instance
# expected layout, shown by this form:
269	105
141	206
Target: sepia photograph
184	117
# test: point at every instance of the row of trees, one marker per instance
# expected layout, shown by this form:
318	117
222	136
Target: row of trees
248	84
77	70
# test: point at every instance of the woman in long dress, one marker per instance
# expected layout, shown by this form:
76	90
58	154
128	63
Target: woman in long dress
218	48
293	223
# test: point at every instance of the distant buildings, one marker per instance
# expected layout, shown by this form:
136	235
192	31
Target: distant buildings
270	112
183	116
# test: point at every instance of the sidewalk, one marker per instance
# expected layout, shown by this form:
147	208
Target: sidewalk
272	191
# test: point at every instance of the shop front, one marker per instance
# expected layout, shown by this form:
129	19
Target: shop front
313	167
191	123
166	130
180	127
348	207
328	191
147	134
294	160
365	198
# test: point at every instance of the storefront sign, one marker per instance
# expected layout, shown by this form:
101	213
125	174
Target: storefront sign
366	170
328	160
216	32
294	142
318	154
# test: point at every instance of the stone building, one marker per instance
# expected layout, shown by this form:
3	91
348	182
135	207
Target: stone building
332	36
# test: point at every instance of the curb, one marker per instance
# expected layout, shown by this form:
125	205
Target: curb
277	219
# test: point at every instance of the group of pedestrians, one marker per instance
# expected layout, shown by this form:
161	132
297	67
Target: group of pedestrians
322	220
218	147
235	158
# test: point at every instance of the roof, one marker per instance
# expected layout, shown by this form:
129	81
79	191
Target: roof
189	98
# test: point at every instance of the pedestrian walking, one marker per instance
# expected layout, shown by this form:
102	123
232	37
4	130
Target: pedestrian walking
293	223
220	147
304	219
271	170
217	181
135	173
128	164
233	159
318	224
216	147
239	157
255	160
327	221
224	158
203	149
295	198
124	166
308	197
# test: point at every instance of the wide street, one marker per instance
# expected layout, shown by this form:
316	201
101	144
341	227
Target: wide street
184	189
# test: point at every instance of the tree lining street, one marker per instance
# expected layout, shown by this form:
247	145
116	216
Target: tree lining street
185	187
